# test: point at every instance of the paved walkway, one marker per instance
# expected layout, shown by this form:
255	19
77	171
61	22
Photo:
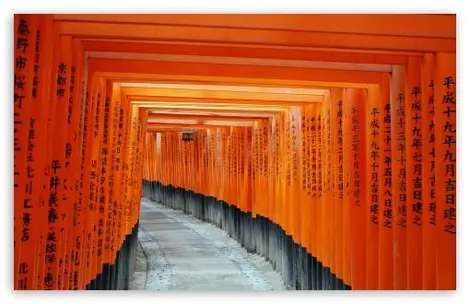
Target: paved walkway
179	252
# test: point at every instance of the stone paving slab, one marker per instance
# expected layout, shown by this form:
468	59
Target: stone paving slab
179	252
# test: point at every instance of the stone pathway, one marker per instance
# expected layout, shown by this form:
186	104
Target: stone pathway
179	252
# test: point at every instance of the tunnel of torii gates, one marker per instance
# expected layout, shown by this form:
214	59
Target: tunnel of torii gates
325	143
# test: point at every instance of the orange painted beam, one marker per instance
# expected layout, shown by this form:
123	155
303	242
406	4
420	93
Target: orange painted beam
218	112
151	126
204	117
209	106
158	99
324	77
156	47
258	36
219	94
421	25
222	80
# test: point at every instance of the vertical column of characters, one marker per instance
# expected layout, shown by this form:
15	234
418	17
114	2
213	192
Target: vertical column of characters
218	163
138	181
231	164
304	172
211	161
324	177
120	168
446	139
234	165
328	192
205	180
208	162
222	163
275	161
319	185
429	173
338	188
202	160
191	161
167	157
98	211
266	151
72	164
106	198
25	202
386	255
296	179
181	177
374	180
217	156
65	192
39	139
30	216
174	154
95	176
148	155
333	210
399	177
85	202
258	168
158	162
130	124
311	171
348	188
241	171
287	199
255	168
119	139
91	235
261	152
134	186
414	167
57	199
271	157
164	159
146	164
133	154
115	178
314	177
249	168
358	201
192	158
137	167
199	157
215	133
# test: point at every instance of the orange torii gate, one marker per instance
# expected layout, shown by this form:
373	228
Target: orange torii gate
355	184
